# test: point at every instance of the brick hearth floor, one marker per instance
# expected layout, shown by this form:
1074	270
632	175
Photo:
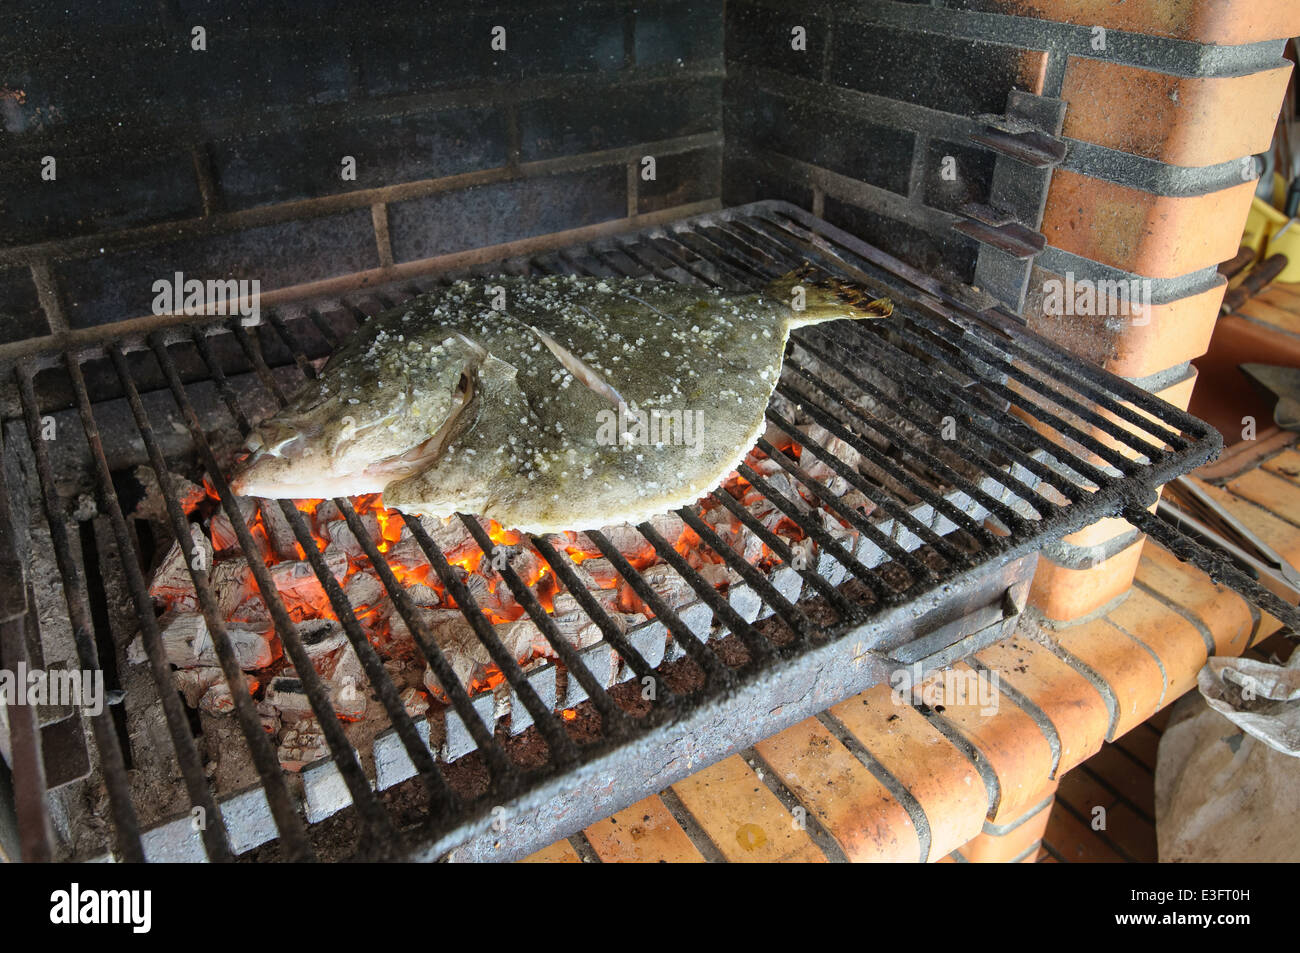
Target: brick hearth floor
1084	704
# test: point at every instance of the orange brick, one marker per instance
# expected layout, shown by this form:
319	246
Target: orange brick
646	832
742	817
941	778
1130	671
1016	750
1279	496
1285	465
1155	236
1223	612
1074	707
990	848
1063	594
851	804
1177	643
1181	120
561	852
1134	344
1225	22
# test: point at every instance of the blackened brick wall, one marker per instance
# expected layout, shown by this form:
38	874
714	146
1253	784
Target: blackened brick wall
857	124
226	162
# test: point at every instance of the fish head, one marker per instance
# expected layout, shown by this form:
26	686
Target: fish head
374	421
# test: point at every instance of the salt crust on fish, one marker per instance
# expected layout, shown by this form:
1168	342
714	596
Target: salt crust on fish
498	397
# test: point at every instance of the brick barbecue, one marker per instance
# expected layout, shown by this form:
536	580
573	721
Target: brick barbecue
968	158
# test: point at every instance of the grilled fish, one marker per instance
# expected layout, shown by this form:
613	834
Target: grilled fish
547	404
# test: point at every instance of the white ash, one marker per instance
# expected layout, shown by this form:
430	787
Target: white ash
172	585
152	505
188	643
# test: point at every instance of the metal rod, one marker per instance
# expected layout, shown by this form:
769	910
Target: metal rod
442	801
318	696
126	825
213	831
293	835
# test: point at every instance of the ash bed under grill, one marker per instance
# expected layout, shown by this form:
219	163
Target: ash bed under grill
972	439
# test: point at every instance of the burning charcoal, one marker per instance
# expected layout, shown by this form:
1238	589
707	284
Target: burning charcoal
297	582
363	589
415	702
782	484
461	647
340	534
821	471
520	637
478	588
287	696
579	544
423	595
193	683
189	644
450	535
565	602
172	586
748	545
764	466
669	526
857	500
597	574
666	583
628	540
326	512
321	638
283	543
252	611
153	506
718	575
232	583
348	686
302	744
223	533
576	629
408	555
217	700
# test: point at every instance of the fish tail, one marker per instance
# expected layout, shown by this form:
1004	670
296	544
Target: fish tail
826	298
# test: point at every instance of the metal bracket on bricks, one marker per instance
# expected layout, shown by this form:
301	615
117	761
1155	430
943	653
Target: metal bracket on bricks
459	742
651	640
324	789
599	660
543	680
787	582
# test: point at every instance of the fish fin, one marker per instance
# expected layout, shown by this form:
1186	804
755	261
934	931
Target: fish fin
827	299
578	368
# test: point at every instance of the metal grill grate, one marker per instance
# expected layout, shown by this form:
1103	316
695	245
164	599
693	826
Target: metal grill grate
1041	445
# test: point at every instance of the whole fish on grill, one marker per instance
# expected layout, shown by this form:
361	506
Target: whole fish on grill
544	403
